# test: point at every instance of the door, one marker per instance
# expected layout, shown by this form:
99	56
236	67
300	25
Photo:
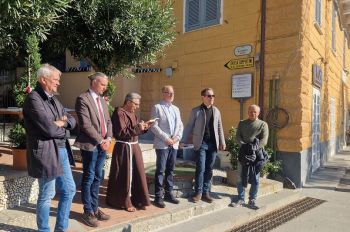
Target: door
332	128
316	130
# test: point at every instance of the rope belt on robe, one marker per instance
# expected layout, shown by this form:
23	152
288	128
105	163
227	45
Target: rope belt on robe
130	157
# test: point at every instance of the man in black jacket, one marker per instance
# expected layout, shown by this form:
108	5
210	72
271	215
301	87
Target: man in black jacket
48	151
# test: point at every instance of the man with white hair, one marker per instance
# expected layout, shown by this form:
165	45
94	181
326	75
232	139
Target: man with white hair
251	133
48	151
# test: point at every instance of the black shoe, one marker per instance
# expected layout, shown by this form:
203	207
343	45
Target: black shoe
90	219
252	205
159	203
171	199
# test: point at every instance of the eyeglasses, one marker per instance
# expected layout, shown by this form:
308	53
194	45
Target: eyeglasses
210	96
169	93
136	104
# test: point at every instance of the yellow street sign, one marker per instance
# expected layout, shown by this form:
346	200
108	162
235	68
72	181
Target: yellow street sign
240	63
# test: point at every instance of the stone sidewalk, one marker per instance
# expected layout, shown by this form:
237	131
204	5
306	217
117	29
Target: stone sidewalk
22	218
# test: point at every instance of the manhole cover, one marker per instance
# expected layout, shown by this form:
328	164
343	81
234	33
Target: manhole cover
271	220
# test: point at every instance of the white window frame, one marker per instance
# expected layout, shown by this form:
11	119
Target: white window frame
334	29
318	12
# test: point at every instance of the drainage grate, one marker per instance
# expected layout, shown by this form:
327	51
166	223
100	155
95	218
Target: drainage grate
272	220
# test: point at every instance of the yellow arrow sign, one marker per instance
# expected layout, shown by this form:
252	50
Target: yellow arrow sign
240	63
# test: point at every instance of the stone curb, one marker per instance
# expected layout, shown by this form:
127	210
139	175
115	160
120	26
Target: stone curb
187	211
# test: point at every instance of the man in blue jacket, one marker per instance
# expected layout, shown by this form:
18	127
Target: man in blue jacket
205	125
48	151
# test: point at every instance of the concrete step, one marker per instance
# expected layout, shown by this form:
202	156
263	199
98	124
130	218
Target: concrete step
187	210
228	217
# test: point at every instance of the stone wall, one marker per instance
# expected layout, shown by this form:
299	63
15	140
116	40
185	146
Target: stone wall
17	188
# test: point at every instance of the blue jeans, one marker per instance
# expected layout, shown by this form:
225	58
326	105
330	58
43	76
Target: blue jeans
204	167
66	188
166	159
93	163
253	192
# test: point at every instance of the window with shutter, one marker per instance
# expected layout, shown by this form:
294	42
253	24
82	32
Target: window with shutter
334	17
202	13
318	7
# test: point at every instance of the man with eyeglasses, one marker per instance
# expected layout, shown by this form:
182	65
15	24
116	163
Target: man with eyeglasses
205	125
168	132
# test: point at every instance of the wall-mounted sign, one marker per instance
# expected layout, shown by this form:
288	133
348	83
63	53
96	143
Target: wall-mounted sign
146	70
317	75
78	69
240	63
242	85
243	50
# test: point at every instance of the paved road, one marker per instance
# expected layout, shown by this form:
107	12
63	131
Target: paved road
330	183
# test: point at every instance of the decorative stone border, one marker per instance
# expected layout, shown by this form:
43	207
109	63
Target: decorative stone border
17	188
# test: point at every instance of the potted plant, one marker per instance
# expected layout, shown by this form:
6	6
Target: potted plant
18	141
21	88
233	148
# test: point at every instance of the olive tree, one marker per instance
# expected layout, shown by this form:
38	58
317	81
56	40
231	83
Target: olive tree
113	35
22	18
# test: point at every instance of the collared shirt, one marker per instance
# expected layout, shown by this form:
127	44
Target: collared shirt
171	111
98	105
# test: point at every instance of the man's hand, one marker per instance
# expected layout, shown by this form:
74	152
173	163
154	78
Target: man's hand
60	123
169	142
105	144
222	147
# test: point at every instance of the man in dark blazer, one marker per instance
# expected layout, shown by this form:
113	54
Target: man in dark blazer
205	125
95	134
48	152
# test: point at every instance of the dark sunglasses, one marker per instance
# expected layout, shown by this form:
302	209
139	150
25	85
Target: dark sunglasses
210	96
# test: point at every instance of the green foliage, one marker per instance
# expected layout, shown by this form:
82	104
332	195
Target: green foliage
271	168
17	135
20	18
108	95
116	34
33	61
233	147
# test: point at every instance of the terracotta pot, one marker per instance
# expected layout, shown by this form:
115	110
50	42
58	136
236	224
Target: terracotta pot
231	177
19	159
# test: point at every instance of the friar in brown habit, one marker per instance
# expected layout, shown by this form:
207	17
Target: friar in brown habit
127	185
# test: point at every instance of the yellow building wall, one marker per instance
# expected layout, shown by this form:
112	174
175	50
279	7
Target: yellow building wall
293	44
200	57
317	49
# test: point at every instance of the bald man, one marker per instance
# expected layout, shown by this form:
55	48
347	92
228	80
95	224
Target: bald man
250	132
